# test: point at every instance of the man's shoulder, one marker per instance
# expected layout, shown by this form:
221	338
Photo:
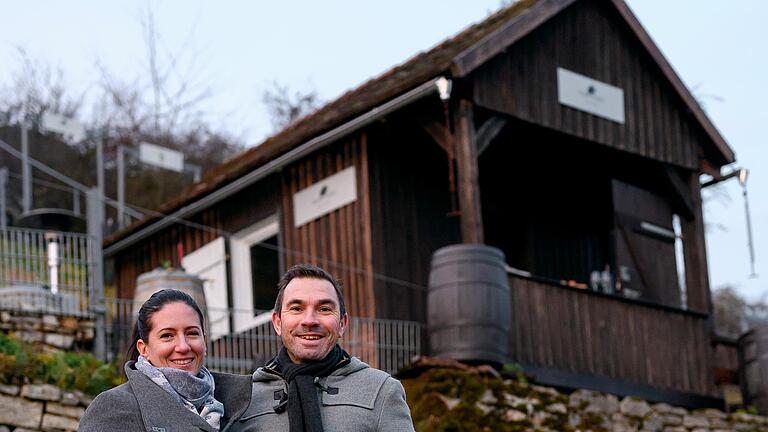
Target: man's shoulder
358	376
265	376
359	368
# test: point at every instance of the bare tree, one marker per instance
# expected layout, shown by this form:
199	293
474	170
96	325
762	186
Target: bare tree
162	106
285	107
729	310
36	87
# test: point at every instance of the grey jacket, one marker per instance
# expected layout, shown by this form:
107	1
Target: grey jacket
141	405
360	399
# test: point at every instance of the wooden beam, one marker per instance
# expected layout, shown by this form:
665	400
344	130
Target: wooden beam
466	165
680	193
439	134
698	295
488	131
575	380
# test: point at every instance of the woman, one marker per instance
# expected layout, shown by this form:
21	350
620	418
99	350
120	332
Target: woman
168	389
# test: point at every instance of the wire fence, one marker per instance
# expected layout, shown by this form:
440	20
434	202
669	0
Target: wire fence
389	345
45	271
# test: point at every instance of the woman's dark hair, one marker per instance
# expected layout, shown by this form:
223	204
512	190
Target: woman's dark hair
153	304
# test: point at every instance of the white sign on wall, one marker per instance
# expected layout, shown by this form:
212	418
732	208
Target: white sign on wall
162	157
325	196
590	95
69	128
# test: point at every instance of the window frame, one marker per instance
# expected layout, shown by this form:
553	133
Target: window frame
242	285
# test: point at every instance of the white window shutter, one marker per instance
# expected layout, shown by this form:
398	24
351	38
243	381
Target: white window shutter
209	264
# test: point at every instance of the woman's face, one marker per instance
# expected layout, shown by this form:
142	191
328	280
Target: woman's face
175	339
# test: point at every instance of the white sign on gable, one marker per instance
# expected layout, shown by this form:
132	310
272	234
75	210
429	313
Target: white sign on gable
162	157
590	95
325	196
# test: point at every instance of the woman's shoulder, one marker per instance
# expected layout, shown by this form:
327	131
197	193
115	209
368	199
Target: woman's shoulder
120	398
112	408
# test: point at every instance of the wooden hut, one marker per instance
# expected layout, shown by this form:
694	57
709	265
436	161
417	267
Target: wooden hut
564	138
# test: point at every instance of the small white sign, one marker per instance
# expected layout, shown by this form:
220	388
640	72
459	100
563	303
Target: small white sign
325	196
162	157
589	95
69	128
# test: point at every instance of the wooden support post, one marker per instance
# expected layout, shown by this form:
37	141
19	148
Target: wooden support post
698	295
466	166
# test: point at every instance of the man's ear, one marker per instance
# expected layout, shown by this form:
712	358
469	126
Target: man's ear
343	324
276	323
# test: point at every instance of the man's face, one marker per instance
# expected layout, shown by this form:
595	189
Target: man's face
310	322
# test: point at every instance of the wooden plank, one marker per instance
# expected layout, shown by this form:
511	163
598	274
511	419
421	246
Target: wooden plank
634	343
365	218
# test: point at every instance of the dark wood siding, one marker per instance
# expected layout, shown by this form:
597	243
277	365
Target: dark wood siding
589	38
410	205
581	332
339	241
235	213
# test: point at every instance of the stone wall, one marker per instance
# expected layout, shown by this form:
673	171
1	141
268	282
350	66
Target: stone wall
40	407
56	331
465	398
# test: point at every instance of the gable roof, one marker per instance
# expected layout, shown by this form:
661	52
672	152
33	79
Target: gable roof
457	57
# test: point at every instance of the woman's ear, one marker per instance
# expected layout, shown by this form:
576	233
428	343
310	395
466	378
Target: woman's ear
142	347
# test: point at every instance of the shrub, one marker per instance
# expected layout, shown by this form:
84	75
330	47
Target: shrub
22	363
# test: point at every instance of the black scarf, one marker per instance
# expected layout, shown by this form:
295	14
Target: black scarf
303	406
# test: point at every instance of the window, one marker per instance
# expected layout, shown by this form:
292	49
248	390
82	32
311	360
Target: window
265	273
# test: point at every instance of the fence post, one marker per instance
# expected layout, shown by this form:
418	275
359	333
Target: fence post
3	186
96	294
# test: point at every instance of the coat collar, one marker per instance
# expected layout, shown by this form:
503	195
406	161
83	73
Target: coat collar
231	390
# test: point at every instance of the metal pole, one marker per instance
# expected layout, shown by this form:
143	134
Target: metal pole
100	174
76	202
26	171
64	179
95	236
120	186
3	183
751	246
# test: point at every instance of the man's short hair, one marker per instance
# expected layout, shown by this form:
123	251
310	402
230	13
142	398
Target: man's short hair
311	272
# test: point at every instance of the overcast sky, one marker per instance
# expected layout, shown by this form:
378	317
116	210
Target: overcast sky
238	48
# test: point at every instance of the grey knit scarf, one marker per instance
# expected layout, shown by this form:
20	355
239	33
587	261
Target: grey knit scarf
195	393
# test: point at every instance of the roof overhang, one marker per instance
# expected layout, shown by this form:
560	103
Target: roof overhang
428	88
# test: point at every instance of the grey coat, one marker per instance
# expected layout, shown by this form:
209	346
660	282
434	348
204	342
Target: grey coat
141	405
367	399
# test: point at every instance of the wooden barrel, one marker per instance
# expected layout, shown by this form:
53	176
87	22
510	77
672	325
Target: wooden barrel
753	367
468	305
158	279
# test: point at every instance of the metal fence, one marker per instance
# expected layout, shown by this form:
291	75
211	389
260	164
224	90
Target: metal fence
45	270
386	344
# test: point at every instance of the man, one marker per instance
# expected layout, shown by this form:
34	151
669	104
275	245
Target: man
312	384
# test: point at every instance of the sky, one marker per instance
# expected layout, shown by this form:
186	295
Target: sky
237	49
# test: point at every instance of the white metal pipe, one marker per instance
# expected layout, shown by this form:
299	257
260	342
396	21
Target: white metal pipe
26	171
53	266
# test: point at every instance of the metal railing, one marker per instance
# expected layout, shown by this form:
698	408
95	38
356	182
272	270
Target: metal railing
389	345
44	270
